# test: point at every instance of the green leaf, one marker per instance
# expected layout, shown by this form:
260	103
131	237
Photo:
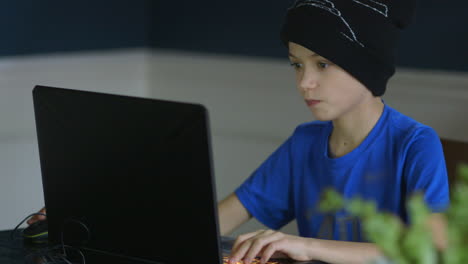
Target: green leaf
417	209
361	208
331	201
385	230
418	247
462	172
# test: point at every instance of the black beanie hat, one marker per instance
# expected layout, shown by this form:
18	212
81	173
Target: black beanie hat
360	36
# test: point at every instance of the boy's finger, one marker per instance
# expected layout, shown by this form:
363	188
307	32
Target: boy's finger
36	218
240	239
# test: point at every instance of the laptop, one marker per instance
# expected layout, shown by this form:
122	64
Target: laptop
127	179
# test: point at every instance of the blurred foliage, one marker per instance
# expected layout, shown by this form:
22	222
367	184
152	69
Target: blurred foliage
412	243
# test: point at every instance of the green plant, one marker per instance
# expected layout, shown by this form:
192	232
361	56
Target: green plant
405	244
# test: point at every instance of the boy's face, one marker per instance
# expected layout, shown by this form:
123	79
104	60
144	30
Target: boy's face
329	91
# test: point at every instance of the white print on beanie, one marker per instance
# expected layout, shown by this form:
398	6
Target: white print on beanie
329	6
384	12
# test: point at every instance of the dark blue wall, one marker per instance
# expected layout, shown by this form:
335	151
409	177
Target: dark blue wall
242	27
32	26
438	38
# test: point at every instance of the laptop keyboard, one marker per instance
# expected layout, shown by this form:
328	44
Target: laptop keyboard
254	261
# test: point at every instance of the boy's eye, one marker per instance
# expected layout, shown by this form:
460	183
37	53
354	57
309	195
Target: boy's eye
296	65
323	65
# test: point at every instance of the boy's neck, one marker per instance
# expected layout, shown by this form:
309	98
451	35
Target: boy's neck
351	129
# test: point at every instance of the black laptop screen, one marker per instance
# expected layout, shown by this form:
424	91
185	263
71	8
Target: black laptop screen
128	176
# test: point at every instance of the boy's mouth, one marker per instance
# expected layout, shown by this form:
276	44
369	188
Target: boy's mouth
312	102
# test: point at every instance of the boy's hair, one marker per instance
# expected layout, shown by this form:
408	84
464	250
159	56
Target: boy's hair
360	36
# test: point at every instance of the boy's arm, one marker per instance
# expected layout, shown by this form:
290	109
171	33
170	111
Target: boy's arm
271	242
231	214
438	225
355	252
344	252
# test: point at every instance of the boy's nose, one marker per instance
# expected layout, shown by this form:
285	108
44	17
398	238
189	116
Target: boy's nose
309	80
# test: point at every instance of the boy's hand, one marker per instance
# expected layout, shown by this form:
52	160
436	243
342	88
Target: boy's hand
267	244
36	218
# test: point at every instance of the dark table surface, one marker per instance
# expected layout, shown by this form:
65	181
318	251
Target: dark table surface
16	251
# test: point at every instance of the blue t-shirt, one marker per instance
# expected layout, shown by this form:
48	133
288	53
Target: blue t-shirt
399	157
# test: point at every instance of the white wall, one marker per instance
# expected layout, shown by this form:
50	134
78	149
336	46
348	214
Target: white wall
253	107
437	99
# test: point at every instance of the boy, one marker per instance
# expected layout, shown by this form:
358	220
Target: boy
343	55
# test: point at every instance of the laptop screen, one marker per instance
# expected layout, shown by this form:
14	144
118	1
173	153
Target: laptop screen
127	177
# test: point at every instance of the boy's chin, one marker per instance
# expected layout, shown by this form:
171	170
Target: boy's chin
323	119
319	117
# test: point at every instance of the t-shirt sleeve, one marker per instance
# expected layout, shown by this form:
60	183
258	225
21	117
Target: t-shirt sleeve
266	194
425	170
